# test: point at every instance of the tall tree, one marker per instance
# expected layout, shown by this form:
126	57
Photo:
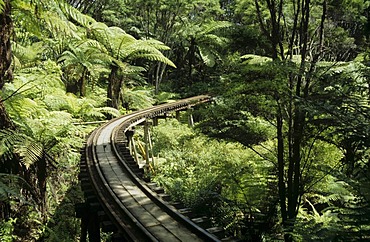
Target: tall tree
297	46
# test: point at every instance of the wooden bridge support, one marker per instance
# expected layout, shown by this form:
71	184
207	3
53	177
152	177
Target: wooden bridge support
132	145
148	143
190	117
90	224
155	121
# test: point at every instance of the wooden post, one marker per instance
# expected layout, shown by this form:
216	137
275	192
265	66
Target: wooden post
82	212
129	134
148	143
93	227
155	121
190	117
134	150
146	140
150	146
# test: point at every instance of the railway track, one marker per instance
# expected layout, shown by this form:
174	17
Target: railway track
118	200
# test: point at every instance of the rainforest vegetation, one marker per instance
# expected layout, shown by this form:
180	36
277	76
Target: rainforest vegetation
281	154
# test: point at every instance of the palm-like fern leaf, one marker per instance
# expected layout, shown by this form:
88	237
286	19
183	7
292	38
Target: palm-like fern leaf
157	44
77	16
58	26
17	142
208	56
29	53
138	98
155	57
213	26
2	6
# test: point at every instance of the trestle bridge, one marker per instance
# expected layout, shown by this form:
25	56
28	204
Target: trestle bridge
119	200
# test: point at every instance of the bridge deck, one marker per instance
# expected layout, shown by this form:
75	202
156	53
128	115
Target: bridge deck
161	225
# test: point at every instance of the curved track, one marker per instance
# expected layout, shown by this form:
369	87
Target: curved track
130	207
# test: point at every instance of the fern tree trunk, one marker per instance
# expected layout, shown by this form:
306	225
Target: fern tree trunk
6	31
114	88
41	179
191	58
82	83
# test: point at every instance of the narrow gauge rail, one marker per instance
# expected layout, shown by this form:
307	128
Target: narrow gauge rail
136	212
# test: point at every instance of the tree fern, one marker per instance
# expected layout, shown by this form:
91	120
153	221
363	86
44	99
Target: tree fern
124	46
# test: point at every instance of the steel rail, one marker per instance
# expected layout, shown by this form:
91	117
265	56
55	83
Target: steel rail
138	213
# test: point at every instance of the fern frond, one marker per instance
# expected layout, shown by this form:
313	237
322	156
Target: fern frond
56	102
138	98
2	6
108	110
29	151
100	33
77	16
255	59
16	142
213	26
58	26
90	43
27	53
157	44
132	50
117	31
155	57
207	56
26	15
212	39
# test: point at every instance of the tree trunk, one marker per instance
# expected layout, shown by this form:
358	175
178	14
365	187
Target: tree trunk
191	58
41	179
159	71
5	121
6	31
82	83
114	88
281	166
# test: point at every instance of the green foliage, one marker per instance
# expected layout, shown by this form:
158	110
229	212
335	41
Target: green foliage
58	48
214	177
163	97
75	15
335	213
138	98
63	224
222	121
45	117
205	38
10	186
6	230
125	47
